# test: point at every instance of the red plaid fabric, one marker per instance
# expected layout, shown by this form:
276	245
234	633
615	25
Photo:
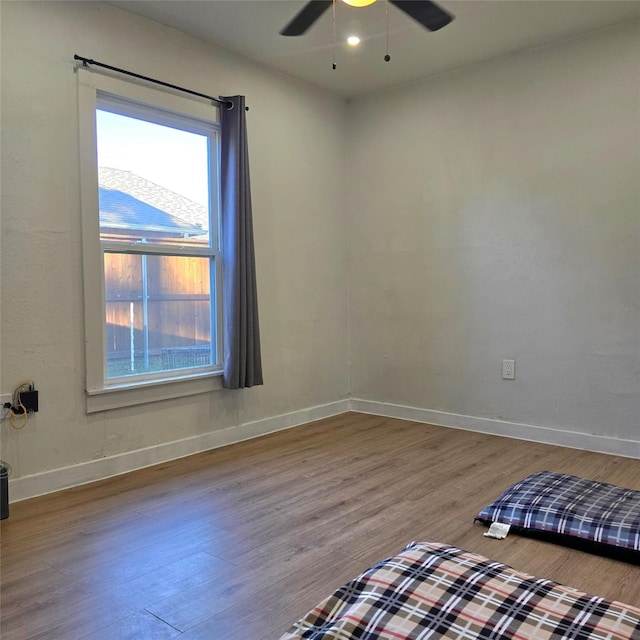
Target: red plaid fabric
432	590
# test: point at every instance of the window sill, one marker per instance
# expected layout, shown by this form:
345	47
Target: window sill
130	395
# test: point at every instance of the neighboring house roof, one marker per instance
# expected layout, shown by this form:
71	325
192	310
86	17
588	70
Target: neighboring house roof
130	204
122	214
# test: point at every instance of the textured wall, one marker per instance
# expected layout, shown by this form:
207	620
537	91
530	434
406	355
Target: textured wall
494	212
298	223
489	213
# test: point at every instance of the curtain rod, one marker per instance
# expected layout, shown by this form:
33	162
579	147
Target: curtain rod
88	61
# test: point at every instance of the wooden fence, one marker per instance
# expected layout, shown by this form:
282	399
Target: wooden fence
155	303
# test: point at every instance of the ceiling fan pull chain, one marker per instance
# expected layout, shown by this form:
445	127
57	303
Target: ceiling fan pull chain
386	8
334	35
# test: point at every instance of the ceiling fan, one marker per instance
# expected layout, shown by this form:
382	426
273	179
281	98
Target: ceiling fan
427	13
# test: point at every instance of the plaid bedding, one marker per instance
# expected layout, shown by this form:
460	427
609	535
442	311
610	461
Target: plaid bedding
562	504
432	590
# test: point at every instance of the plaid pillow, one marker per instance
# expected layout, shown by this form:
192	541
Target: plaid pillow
433	591
561	504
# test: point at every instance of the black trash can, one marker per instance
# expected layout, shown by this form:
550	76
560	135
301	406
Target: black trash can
4	492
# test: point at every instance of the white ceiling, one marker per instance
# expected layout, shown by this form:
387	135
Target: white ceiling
481	30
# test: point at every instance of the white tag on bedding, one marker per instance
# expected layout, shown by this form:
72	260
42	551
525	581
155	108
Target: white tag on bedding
498	530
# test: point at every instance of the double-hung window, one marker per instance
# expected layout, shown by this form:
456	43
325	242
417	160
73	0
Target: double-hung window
152	267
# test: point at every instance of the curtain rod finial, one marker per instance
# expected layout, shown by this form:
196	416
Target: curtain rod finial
229	104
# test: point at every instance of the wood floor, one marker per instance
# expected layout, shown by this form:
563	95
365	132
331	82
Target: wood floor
238	542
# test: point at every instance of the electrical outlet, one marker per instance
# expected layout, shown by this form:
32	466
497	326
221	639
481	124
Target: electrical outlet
509	369
29	400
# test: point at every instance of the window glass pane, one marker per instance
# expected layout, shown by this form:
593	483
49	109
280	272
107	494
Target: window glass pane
158	313
153	182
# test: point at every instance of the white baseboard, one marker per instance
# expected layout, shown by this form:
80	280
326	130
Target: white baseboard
66	477
545	435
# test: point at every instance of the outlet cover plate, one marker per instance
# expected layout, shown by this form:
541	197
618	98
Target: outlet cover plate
509	369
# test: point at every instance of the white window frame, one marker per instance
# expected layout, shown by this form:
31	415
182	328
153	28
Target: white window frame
101	394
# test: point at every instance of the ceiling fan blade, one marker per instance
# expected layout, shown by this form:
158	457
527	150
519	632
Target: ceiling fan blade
306	17
427	13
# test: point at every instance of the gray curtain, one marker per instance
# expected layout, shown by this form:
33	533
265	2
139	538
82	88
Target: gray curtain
242	360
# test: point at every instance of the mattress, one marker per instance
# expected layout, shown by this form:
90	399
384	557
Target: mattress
590	515
432	590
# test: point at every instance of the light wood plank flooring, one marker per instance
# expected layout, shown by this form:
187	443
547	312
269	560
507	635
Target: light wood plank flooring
238	542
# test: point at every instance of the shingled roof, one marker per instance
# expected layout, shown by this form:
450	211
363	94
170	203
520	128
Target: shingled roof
133	205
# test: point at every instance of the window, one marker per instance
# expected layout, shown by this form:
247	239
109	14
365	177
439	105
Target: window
149	181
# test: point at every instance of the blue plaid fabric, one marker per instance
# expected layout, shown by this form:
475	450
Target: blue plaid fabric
562	504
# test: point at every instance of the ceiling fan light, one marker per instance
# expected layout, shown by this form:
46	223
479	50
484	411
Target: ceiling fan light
358	3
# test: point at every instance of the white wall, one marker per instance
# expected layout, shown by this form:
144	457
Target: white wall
297	138
490	213
494	212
